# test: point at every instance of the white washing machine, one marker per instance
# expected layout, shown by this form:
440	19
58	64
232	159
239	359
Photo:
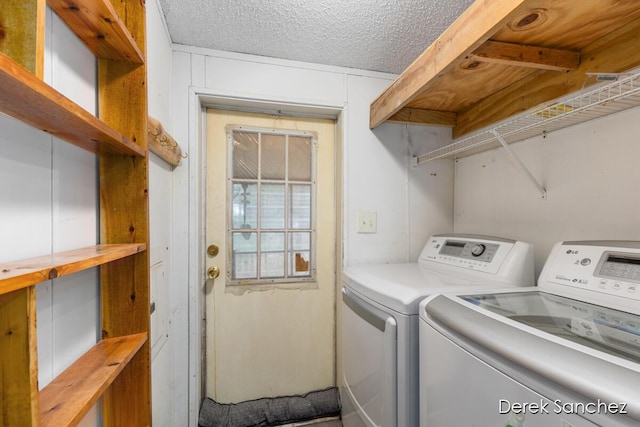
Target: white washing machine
563	354
380	319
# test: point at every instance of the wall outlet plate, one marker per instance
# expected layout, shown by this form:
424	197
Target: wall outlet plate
367	222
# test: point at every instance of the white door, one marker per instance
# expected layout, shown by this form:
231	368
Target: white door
271	211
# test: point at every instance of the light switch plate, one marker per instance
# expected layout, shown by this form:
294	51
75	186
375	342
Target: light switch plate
367	222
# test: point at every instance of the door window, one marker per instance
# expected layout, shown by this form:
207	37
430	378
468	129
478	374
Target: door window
272	193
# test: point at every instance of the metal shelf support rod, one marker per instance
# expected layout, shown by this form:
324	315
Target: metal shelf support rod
516	159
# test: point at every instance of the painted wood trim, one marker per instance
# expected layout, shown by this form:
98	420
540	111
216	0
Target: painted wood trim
541	58
70	396
416	116
98	25
28	272
27	98
162	143
19	403
475	26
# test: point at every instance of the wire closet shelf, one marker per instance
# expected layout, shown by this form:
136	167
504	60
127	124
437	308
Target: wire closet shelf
611	94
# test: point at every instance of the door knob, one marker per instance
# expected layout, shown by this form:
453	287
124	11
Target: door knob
213	272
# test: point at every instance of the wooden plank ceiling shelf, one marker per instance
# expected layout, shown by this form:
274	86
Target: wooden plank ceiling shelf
614	93
500	59
28	272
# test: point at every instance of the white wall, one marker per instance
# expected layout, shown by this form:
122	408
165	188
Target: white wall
591	175
411	203
50	199
377	163
165	397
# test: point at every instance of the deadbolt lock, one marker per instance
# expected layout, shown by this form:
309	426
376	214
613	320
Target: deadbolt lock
213	250
213	272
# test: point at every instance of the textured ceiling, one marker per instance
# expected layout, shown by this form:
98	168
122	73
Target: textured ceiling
377	35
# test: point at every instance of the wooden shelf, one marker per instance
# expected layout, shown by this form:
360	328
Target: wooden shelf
499	59
614	94
28	272
98	25
32	101
68	398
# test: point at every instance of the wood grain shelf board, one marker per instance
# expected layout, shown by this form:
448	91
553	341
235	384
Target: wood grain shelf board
612	95
563	41
25	97
28	272
98	25
68	398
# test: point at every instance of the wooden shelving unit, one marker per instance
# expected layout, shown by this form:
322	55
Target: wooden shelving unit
116	369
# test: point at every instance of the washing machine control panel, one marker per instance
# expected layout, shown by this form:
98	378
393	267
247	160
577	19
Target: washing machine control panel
597	266
469	252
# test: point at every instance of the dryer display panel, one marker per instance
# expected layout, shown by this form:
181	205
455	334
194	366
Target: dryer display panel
470	250
480	254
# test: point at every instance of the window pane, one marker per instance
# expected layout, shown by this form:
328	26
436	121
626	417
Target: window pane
299	158
272	255
272	189
272	206
245	155
245	256
244	214
300	254
273	160
300	205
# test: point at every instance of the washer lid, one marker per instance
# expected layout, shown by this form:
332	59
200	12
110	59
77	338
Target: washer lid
601	328
401	287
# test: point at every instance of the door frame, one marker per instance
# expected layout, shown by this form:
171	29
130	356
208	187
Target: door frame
199	100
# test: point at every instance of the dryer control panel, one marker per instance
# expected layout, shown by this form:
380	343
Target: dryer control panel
475	251
478	253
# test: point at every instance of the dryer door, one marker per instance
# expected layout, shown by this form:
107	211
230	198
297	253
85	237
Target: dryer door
369	363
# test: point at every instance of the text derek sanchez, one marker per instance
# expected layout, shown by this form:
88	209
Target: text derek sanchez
558	407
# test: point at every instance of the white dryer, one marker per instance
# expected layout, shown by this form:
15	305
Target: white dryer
380	319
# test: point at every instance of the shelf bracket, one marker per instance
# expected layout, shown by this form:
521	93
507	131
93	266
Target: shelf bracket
517	160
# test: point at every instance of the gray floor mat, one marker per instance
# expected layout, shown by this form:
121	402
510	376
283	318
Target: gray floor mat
270	411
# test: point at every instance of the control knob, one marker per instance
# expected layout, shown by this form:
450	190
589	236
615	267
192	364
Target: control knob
478	249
